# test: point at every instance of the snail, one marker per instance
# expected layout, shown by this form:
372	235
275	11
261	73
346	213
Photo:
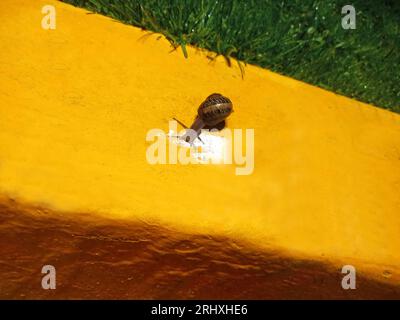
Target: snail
215	109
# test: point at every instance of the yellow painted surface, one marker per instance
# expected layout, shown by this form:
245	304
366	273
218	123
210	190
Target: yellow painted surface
76	104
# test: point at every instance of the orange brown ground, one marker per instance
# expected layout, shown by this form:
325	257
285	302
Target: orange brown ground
108	259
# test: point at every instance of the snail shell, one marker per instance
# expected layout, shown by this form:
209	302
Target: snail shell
215	109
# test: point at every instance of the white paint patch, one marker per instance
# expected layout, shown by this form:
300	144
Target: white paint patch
211	151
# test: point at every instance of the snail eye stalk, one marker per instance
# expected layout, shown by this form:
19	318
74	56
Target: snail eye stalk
182	124
187	139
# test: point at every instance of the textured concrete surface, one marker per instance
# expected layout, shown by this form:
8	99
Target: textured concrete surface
107	259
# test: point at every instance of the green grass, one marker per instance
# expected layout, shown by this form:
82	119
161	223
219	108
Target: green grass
303	39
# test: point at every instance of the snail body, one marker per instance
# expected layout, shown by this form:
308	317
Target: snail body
215	109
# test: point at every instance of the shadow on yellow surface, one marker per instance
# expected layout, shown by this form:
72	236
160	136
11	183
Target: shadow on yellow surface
109	259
